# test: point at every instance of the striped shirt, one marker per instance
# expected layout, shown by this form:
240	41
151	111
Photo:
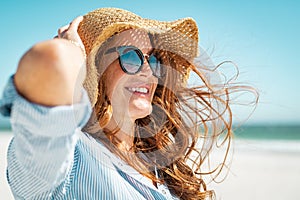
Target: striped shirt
50	157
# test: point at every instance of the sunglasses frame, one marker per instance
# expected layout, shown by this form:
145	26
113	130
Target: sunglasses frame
141	55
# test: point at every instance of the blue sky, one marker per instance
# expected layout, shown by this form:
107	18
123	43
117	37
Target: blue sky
261	37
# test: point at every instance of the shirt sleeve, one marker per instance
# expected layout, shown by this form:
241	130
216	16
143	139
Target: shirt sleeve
41	152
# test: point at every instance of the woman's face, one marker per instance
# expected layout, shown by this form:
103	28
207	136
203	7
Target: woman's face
130	95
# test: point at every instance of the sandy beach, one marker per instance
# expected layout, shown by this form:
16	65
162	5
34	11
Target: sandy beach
259	171
262	174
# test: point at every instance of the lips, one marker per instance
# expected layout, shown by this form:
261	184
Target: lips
141	89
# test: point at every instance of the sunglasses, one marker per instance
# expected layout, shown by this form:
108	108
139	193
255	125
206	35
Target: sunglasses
131	60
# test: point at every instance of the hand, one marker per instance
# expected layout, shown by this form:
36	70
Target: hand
51	72
69	32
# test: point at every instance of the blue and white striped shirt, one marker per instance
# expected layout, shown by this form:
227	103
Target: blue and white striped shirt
50	157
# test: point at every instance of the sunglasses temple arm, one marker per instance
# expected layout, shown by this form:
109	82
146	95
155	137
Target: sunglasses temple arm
111	50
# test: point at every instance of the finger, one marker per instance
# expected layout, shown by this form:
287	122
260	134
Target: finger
63	29
64	34
75	23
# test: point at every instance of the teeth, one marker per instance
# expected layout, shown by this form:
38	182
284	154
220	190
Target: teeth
140	90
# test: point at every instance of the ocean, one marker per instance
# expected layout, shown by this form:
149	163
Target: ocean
273	138
268	132
270	138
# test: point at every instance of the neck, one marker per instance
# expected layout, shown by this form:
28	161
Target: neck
124	134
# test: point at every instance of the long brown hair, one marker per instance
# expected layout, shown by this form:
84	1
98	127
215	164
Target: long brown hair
186	123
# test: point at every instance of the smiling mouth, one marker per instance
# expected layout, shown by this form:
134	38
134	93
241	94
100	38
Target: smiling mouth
139	90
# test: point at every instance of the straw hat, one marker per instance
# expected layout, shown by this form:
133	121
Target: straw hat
180	37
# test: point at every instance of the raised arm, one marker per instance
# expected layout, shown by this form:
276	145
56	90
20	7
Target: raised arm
48	107
51	71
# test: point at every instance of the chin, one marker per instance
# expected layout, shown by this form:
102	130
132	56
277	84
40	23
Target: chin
140	113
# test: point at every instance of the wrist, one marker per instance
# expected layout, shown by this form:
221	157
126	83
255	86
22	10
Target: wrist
81	46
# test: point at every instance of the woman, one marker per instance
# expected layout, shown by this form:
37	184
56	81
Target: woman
136	130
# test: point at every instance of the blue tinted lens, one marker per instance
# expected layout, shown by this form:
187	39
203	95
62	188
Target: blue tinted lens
130	60
156	66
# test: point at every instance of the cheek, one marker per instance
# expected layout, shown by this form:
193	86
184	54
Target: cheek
114	76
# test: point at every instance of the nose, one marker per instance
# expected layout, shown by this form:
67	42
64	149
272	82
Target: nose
146	70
